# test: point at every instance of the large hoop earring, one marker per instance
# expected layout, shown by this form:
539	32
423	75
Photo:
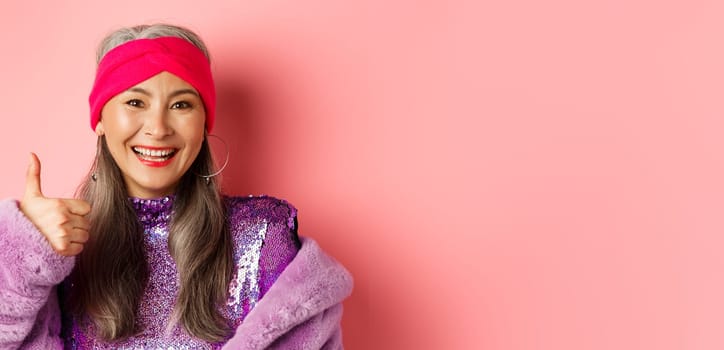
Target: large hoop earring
226	161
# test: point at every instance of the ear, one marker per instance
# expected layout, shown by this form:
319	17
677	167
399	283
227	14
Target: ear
99	129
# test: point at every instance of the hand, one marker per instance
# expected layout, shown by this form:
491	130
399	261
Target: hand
62	221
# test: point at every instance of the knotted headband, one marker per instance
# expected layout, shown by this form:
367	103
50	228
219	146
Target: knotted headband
135	61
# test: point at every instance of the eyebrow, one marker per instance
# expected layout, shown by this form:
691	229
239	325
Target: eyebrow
173	94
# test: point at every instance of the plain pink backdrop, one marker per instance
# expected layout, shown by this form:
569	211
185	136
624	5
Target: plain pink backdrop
496	174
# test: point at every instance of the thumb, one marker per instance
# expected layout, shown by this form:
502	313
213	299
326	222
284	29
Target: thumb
32	180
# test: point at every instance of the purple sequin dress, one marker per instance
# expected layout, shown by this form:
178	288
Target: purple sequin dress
265	241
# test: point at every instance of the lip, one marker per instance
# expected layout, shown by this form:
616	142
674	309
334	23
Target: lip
153	147
154	163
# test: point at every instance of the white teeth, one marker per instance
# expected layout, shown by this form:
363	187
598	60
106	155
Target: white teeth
153	152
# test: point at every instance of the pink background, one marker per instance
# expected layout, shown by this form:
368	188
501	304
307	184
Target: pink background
496	174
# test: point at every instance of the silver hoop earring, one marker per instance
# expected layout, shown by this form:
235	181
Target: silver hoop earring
226	161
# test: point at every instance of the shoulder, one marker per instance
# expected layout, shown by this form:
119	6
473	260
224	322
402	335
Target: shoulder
267	208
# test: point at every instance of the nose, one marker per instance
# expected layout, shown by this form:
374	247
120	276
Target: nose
156	123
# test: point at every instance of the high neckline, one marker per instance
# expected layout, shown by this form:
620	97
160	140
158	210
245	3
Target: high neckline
153	211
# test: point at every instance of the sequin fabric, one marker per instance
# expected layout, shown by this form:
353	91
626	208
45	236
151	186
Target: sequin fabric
265	241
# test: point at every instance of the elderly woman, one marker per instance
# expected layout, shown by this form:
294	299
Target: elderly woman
151	254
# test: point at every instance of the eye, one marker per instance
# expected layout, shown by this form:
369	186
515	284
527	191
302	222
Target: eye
181	105
135	103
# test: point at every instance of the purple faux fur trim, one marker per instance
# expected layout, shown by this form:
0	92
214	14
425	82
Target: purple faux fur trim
29	270
302	309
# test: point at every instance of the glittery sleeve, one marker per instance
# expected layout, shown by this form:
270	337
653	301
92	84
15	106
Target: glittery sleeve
280	245
280	242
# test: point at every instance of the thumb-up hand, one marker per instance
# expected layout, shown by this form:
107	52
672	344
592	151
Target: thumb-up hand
62	221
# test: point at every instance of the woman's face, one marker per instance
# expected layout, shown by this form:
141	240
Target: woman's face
154	131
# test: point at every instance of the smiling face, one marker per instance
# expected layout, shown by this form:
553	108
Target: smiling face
154	130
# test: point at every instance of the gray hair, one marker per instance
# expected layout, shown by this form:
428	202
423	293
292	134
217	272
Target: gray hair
148	31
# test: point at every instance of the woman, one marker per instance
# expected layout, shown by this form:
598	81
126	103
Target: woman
152	255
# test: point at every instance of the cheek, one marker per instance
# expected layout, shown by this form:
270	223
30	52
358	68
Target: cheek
116	142
117	122
195	144
193	131
116	147
118	128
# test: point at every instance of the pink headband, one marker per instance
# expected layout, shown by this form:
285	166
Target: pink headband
135	61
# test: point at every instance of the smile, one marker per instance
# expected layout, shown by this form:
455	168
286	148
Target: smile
153	156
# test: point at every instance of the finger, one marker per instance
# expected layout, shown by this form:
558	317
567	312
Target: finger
78	235
76	222
32	178
65	244
71	249
78	206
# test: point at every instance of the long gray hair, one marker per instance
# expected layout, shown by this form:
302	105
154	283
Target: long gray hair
111	272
